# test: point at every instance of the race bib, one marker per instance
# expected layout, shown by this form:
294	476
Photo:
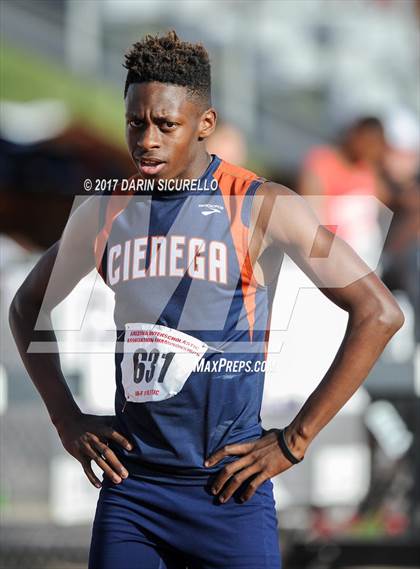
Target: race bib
157	361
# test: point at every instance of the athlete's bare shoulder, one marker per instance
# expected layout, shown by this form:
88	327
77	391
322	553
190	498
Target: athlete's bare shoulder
288	221
272	190
78	238
277	210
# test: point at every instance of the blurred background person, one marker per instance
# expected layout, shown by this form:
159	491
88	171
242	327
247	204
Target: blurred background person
229	143
352	167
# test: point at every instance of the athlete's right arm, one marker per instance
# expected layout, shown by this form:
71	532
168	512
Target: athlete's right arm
54	276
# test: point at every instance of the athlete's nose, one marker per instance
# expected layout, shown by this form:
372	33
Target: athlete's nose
150	138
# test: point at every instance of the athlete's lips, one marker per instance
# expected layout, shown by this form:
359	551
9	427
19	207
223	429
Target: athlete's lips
150	166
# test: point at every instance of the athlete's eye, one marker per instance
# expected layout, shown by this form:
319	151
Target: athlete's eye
135	123
169	124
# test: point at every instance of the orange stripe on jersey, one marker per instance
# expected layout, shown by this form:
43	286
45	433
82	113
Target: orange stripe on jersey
234	182
267	336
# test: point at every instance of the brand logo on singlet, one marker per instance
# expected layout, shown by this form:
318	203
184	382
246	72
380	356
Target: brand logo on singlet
171	256
211	208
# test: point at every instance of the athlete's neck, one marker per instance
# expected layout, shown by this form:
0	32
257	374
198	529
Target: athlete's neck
194	172
197	168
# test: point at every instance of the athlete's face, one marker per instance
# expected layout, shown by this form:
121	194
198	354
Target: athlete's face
165	130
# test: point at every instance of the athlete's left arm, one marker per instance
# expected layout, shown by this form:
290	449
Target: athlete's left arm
284	221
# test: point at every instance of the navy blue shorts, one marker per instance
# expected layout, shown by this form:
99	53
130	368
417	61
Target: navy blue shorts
150	525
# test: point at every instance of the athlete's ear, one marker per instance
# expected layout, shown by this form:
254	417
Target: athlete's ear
207	123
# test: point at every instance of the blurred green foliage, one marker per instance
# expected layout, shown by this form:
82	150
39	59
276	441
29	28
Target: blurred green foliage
25	77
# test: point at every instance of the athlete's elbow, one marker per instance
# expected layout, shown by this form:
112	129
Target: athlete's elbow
17	309
390	319
14	315
387	319
381	314
23	305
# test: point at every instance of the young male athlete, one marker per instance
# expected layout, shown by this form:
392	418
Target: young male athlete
186	463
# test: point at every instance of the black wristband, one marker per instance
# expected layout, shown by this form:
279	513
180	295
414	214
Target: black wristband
285	449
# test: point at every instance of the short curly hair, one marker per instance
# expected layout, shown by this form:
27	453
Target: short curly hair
167	59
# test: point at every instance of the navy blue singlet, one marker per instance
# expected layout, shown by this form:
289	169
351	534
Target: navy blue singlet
180	261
